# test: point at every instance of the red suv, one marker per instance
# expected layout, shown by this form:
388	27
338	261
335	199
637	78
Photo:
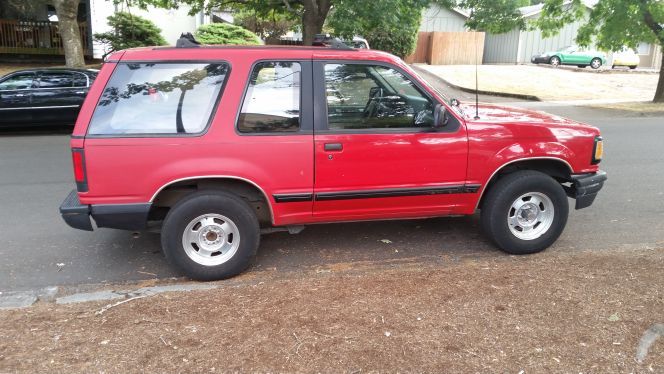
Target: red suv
216	145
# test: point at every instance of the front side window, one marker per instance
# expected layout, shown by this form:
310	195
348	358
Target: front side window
272	101
18	82
361	96
158	98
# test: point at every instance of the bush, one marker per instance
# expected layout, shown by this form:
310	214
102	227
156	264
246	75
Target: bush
130	31
225	33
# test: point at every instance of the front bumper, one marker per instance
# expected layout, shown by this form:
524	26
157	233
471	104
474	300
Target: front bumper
584	188
114	216
540	59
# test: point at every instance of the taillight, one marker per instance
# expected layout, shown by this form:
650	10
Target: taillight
78	157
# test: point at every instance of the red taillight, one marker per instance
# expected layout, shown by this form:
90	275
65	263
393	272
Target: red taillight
79	169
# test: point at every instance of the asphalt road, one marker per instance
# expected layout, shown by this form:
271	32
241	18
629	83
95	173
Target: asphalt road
35	176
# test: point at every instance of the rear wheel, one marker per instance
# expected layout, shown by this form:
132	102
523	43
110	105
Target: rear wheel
524	212
210	235
632	67
595	63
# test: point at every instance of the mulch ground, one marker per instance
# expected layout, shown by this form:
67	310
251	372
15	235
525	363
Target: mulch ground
582	312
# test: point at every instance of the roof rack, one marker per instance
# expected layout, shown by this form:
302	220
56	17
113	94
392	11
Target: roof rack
187	40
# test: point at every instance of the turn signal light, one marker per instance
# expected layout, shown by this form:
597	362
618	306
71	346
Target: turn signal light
598	151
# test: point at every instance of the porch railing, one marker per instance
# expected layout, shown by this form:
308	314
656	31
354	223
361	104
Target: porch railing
36	37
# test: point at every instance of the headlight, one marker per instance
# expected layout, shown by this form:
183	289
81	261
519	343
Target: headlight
598	150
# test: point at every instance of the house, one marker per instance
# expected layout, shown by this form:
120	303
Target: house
517	46
437	18
31	27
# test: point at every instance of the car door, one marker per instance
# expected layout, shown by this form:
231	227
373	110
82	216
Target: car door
377	154
16	98
56	98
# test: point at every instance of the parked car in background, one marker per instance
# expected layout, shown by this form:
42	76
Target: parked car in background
626	57
571	55
43	96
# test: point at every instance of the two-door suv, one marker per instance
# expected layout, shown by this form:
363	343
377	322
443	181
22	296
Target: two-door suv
215	145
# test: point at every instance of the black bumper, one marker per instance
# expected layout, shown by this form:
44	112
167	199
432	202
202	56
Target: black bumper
114	216
585	187
540	59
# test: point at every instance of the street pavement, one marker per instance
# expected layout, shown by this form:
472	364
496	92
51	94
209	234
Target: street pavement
38	249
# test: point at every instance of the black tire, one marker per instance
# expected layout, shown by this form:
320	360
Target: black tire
632	67
210	202
592	63
498	202
581	66
555	61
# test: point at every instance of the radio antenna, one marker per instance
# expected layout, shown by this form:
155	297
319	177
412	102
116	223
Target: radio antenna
477	95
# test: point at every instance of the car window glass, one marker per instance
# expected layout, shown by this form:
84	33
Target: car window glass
17	82
272	101
361	96
80	80
158	98
56	80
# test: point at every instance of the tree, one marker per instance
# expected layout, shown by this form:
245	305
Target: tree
67	11
130	31
224	33
394	31
270	26
611	24
494	16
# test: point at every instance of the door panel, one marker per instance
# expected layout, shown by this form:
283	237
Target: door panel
56	100
16	99
376	154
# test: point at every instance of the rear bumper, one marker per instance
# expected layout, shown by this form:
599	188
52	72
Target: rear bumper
115	216
585	187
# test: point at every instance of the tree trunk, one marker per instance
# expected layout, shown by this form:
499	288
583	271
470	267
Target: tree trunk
659	92
67	11
313	18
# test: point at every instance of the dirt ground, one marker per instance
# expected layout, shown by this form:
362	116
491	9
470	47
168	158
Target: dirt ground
582	312
551	84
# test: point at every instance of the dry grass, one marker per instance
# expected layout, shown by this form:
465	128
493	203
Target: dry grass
639	106
552	312
550	84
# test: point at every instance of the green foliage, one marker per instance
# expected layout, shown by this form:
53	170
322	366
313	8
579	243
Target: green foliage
269	25
225	33
494	16
388	25
130	31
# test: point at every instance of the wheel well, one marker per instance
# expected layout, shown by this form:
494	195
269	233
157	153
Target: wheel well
558	170
171	194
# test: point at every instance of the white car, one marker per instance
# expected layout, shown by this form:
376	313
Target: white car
626	57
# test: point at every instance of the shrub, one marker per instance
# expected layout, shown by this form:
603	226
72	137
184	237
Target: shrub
225	33
130	31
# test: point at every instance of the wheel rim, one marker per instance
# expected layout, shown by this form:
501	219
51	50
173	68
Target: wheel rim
530	216
211	239
555	61
595	63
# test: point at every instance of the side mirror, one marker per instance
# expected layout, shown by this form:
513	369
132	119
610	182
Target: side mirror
440	116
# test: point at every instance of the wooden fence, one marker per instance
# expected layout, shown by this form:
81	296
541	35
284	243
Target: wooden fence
448	48
36	37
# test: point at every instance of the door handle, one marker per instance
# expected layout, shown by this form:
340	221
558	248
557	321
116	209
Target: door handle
334	146
79	92
20	95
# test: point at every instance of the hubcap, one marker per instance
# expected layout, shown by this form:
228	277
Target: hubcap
595	64
530	216
211	239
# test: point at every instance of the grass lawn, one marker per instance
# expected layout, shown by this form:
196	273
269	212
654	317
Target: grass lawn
551	84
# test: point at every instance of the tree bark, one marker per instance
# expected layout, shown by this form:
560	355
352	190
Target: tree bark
67	11
659	92
313	18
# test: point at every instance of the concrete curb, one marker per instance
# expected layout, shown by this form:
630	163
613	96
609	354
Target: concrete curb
431	75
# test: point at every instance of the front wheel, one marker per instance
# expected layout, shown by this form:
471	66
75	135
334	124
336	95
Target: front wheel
210	235
524	212
595	63
632	67
555	61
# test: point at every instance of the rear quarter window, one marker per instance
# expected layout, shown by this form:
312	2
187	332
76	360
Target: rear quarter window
159	98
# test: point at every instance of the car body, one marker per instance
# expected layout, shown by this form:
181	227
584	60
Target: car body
571	55
43	96
626	57
217	145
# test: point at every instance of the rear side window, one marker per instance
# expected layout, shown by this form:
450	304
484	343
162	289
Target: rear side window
272	101
56	80
158	98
